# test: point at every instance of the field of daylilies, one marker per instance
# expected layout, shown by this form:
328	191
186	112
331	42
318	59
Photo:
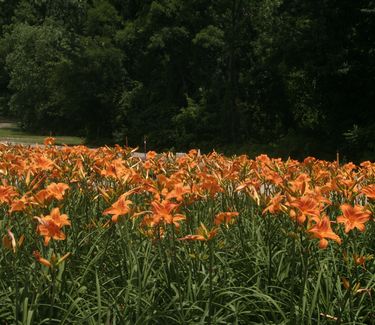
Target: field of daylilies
97	236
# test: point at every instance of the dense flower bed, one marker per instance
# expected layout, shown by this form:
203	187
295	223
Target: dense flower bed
99	236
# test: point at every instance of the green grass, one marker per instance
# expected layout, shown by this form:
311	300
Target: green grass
10	132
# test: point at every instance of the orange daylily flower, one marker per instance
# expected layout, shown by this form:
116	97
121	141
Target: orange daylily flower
250	188
369	191
300	184
50	225
323	231
202	234
41	259
163	213
178	192
9	241
353	217
49	230
57	191
59	219
225	217
7	193
18	205
119	208
210	184
275	204
149	229
307	206
359	260
41	196
42	162
49	141
151	155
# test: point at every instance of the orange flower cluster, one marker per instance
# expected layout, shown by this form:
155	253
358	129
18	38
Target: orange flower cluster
304	192
157	193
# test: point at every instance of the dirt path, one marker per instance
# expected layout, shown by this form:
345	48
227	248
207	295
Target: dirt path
6	125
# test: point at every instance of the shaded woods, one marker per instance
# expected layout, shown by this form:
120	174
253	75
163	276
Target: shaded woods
283	77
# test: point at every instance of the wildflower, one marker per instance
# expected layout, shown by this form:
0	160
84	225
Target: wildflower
151	155
359	260
9	241
41	259
225	217
164	212
49	141
57	191
147	165
18	205
275	204
42	162
50	225
322	230
307	206
300	184
7	193
178	192
210	184
40	197
369	191
202	234
119	208
353	217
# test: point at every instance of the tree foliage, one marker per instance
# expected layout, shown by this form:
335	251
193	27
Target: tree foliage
289	77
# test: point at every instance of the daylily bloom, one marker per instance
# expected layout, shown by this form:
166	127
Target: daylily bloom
119	208
42	162
41	259
307	206
275	204
59	219
224	217
57	191
202	234
18	205
359	260
7	193
41	196
178	192
163	212
49	229
323	231
369	191
300	184
50	225
9	241
49	141
353	217
151	155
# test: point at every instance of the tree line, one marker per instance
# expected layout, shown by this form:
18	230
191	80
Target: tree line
289	78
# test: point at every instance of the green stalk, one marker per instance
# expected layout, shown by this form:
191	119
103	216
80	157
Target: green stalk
16	289
293	267
343	303
173	252
269	244
303	275
211	260
53	289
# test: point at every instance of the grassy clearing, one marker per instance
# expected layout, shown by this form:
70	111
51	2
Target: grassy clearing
10	132
100	237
